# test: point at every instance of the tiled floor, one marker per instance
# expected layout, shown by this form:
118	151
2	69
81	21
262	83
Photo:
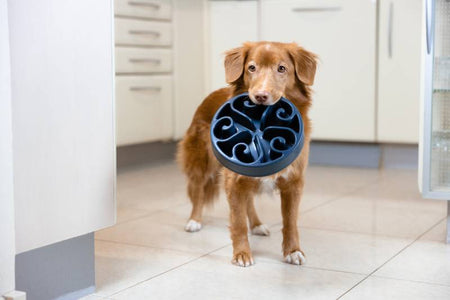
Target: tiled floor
367	234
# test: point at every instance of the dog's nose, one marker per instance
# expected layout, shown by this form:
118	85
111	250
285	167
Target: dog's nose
261	96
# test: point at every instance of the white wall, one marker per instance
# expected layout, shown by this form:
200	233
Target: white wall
7	248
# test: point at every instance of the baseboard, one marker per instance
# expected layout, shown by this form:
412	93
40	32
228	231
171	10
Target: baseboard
345	154
359	155
400	156
145	153
64	270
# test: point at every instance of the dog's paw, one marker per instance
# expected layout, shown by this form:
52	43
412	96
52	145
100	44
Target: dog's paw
243	259
261	230
193	226
295	258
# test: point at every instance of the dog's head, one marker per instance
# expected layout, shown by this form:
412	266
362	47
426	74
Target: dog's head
268	69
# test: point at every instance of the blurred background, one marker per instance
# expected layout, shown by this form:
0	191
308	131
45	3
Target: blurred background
367	87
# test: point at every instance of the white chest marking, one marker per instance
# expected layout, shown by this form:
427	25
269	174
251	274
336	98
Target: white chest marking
268	184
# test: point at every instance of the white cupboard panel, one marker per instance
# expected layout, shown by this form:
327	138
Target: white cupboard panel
231	24
144	109
342	33
399	70
153	9
7	231
142	33
63	119
189	61
143	60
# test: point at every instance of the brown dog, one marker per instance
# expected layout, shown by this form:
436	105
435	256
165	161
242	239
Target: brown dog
267	71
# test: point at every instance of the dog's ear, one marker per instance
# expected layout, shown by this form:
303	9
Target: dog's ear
234	63
305	64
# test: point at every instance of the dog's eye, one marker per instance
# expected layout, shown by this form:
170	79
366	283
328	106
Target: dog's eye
281	69
251	68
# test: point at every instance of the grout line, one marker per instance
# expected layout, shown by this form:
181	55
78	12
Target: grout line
416	281
171	269
358	232
395	255
351	192
309	267
376	81
148	247
149	213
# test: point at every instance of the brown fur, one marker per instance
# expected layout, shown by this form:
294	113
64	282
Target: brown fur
203	170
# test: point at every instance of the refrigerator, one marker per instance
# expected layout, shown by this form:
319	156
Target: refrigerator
434	145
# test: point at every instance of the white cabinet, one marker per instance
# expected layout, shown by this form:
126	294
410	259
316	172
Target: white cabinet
189	61
144	108
63	119
230	23
142	33
399	62
343	34
160	67
7	232
144	60
146	9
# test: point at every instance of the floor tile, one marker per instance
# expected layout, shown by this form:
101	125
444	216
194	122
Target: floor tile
334	181
437	233
127	213
382	288
401	185
119	266
268	208
383	216
214	277
331	250
424	261
351	221
323	184
151	188
165	230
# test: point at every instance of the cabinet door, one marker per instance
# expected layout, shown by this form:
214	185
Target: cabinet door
144	109
63	119
399	65
231	24
342	34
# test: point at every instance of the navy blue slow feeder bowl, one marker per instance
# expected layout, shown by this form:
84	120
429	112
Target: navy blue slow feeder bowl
256	140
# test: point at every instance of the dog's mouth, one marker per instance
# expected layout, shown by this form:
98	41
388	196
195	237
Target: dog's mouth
263	98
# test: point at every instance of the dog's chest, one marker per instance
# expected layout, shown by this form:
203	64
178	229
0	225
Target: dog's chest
268	184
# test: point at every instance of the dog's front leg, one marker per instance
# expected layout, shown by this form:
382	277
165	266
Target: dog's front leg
290	192
240	190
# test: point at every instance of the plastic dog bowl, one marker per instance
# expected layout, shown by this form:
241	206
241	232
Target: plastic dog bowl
256	140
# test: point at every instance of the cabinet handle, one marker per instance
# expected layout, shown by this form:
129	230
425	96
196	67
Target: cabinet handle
156	34
428	23
390	25
155	6
316	9
145	60
145	88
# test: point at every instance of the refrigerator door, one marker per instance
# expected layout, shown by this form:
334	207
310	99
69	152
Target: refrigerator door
434	160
